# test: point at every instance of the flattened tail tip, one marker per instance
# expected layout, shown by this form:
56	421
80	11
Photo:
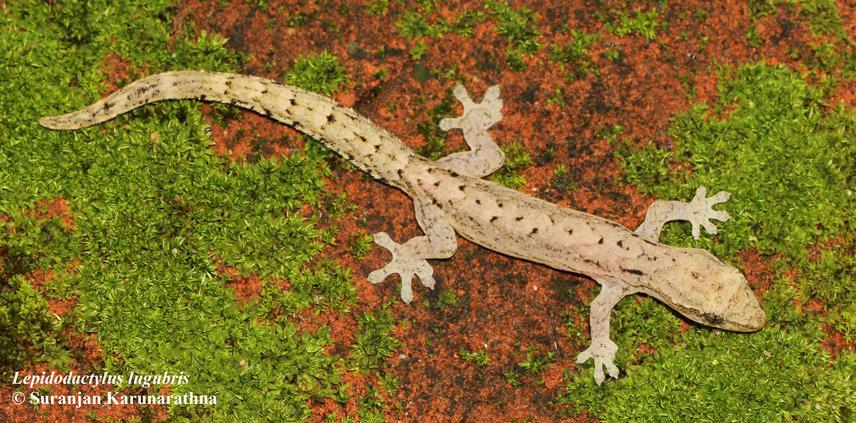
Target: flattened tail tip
69	121
52	122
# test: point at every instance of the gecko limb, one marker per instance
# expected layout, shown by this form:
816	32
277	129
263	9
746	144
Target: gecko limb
408	259
484	156
602	350
699	211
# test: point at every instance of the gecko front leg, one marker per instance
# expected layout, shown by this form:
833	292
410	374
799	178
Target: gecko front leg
484	156
699	211
602	350
408	259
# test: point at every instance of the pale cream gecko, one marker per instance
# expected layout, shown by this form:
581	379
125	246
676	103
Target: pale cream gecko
449	196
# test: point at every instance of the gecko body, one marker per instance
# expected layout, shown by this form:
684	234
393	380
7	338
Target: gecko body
450	197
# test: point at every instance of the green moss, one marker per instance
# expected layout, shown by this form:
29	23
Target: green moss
430	129
374	341
535	362
516	159
611	54
444	300
361	245
512	378
478	357
829	277
29	330
519	27
156	216
414	25
576	54
772	375
321	73
417	51
642	23
378	7
753	37
423	21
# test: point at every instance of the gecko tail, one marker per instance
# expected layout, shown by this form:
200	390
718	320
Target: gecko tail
136	94
61	122
162	86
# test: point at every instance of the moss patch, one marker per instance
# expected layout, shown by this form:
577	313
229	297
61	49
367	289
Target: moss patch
161	226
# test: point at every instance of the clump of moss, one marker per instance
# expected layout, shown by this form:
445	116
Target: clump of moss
435	137
575	54
322	73
517	158
519	27
642	23
374	341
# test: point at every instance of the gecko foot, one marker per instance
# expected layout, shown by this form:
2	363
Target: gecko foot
701	211
406	267
476	117
603	353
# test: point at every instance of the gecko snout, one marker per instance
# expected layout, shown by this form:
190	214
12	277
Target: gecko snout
743	312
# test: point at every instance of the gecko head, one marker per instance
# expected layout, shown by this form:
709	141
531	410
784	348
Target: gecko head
740	311
715	294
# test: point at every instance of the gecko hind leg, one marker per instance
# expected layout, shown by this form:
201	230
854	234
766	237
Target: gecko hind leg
484	156
602	350
408	259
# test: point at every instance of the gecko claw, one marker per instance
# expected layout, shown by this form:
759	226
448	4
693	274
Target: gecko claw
404	266
701	211
603	354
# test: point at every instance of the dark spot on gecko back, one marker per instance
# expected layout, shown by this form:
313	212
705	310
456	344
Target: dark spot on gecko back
633	271
493	219
142	90
534	231
518	218
331	118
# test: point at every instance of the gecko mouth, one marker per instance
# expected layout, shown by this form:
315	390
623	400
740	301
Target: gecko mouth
742	312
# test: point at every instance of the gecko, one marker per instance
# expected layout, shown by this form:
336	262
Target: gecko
451	197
